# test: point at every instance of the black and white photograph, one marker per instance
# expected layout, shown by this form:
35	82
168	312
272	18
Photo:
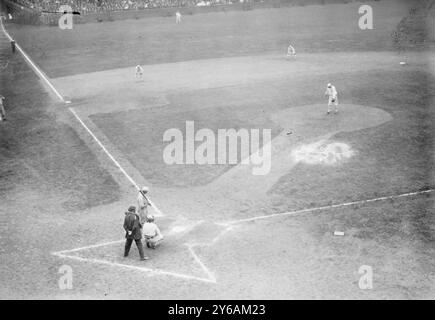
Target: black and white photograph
219	150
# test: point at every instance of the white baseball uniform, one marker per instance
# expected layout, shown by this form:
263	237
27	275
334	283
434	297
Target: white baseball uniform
139	71
142	208
152	234
332	97
291	52
177	17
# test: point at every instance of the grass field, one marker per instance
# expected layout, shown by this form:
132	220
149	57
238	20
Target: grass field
229	234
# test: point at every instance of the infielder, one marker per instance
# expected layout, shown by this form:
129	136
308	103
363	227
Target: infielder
139	72
2	109
331	92
291	52
177	17
153	236
142	205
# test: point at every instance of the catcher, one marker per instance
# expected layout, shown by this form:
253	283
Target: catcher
152	234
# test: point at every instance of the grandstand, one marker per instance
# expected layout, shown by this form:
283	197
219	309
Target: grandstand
47	11
93	6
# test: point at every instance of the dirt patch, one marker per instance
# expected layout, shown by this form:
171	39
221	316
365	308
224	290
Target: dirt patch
323	153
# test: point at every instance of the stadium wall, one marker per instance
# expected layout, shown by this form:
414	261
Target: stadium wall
20	13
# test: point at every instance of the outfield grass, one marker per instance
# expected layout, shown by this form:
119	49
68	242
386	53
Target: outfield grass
41	153
101	46
145	148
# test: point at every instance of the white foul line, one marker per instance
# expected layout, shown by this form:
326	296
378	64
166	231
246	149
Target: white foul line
204	268
34	67
112	158
65	254
42	76
88	247
324	207
127	266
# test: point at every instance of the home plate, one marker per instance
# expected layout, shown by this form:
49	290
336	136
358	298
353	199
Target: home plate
182	226
179	229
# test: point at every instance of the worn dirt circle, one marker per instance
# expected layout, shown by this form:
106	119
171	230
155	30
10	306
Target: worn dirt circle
323	153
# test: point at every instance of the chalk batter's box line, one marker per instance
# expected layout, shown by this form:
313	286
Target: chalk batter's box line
65	254
137	268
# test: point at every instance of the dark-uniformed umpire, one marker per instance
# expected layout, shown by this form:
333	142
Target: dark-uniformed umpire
133	231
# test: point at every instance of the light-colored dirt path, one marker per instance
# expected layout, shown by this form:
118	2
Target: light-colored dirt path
117	85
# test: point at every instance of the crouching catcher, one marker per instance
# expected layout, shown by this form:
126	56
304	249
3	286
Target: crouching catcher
152	234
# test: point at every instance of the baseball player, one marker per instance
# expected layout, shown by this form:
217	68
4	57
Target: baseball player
139	72
331	92
177	17
291	52
153	236
142	205
2	109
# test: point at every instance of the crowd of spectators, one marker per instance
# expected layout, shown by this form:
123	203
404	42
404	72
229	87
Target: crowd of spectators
88	6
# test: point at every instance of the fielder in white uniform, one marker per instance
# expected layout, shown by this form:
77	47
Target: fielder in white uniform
291	52
139	72
2	109
178	17
331	92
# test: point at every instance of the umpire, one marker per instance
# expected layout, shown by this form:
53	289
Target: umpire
133	231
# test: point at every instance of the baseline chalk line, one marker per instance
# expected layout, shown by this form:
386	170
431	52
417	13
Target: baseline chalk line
112	158
87	247
226	223
126	266
47	81
32	64
203	267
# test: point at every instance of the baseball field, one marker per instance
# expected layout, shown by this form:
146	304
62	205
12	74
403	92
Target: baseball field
70	170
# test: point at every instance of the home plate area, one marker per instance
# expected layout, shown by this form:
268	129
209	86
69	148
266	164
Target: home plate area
175	257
